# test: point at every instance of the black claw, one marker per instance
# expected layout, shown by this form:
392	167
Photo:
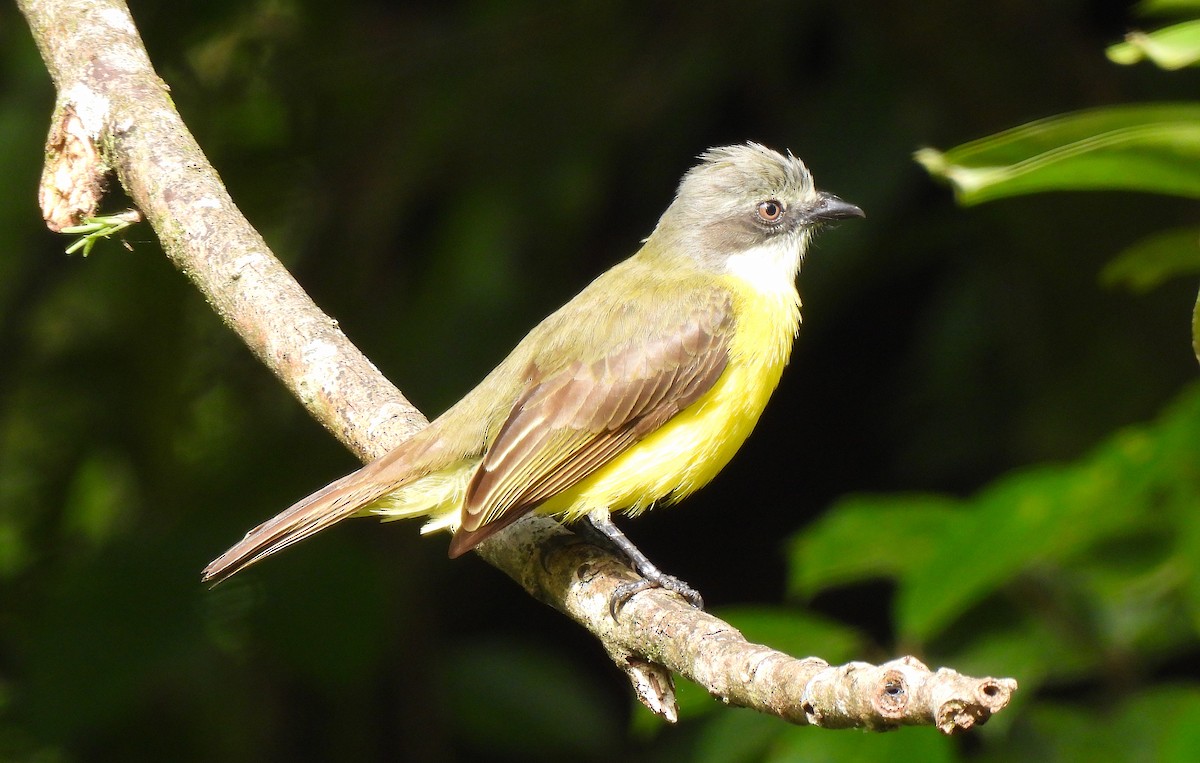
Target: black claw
626	591
623	593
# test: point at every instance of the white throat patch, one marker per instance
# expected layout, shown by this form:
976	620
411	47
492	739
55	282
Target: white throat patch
770	268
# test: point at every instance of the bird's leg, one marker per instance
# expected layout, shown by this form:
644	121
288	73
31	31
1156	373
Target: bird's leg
601	528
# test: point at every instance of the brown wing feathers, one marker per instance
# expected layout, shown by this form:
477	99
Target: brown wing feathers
566	425
572	423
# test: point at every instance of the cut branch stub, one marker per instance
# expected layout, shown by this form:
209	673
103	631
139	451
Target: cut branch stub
903	692
73	177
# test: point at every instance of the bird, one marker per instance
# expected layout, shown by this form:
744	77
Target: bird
632	395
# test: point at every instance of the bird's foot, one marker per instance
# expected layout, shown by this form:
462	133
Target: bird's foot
602	529
652	578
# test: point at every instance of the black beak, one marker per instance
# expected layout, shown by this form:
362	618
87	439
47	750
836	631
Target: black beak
830	207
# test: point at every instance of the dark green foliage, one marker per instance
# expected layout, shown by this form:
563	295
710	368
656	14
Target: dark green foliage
986	451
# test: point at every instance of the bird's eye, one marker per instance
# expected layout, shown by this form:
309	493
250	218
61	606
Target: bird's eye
770	211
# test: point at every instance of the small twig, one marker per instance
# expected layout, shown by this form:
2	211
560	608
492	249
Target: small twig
92	229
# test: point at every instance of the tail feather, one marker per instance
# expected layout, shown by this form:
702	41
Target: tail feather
324	508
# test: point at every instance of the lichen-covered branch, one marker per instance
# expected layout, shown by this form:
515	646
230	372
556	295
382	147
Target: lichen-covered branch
661	631
109	93
113	113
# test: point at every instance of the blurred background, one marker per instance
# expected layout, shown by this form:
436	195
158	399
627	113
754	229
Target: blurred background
983	453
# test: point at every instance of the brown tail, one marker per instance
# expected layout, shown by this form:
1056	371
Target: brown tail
324	508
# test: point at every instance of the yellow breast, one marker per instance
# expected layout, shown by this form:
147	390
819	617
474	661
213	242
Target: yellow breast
689	450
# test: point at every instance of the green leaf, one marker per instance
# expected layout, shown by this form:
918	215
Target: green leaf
1026	518
1036	649
1167	7
888	535
1154	260
1143	478
947	555
1160	725
1134	595
1145	147
1170	48
1196	329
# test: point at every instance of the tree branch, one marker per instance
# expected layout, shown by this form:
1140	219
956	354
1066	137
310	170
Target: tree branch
113	113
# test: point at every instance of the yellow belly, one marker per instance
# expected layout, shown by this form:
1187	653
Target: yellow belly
689	450
675	460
